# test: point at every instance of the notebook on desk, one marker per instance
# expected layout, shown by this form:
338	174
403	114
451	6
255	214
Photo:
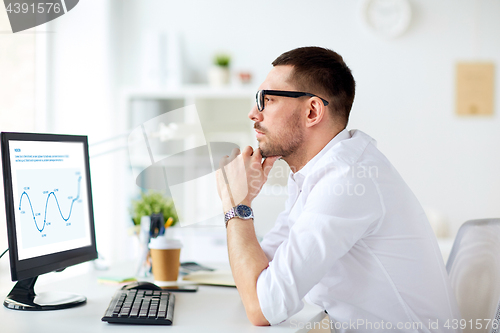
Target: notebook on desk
219	277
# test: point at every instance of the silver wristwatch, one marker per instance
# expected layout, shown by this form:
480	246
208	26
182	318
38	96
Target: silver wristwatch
242	211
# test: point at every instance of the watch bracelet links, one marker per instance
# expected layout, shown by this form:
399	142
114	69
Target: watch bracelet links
229	215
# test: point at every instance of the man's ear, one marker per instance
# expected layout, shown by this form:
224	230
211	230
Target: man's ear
315	112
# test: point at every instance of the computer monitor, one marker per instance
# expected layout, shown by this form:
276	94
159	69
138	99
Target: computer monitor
50	222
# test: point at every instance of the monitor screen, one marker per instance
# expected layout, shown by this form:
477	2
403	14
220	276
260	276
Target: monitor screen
50	222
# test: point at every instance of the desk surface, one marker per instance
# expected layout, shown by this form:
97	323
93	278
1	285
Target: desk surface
211	309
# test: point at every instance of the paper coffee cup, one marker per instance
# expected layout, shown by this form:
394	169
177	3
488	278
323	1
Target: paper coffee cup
165	254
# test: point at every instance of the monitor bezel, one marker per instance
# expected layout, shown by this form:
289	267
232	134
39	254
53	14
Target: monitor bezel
32	267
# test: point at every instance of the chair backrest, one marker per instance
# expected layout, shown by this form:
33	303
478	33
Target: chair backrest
474	271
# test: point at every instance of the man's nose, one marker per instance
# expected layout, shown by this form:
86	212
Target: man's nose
254	114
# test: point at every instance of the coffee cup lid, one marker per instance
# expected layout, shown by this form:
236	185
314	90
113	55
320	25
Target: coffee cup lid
164	243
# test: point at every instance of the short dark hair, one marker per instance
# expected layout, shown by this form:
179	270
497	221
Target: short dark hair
323	72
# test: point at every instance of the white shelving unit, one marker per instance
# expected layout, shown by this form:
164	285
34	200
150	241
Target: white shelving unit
221	110
223	113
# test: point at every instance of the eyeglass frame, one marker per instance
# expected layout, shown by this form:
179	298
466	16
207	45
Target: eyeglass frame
283	93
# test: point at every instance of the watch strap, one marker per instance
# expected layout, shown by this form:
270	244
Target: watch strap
229	215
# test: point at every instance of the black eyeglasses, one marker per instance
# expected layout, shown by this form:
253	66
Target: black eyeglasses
294	94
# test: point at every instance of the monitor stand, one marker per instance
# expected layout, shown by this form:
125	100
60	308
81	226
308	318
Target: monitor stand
23	297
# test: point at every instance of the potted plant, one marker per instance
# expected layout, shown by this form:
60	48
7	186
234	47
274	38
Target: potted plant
153	202
151	210
219	73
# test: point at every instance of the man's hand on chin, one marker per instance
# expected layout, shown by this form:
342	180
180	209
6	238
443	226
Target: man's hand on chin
242	175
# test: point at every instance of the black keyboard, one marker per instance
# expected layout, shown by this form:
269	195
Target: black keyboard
146	307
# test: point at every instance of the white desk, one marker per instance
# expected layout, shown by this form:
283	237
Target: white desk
211	309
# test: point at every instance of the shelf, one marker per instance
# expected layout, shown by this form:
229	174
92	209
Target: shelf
223	116
190	92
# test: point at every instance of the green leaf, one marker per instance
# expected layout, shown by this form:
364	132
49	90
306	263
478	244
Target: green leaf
222	60
153	202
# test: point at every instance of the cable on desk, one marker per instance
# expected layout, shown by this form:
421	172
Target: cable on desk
4	252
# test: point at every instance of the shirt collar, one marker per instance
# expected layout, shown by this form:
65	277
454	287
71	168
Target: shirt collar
299	176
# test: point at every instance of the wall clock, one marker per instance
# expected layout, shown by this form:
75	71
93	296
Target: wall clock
386	18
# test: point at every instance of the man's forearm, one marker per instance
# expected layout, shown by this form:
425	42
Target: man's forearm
247	262
240	179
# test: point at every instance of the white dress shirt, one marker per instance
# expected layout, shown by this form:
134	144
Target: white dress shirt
354	240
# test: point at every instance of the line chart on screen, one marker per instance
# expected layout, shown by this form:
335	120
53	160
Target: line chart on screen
50	205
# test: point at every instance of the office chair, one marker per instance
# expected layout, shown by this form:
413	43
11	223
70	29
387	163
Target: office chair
474	271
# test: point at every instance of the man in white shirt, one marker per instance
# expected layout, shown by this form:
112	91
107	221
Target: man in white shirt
353	238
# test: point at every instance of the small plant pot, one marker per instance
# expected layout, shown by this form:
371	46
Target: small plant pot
218	76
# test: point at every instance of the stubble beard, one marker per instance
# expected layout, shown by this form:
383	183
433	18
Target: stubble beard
284	142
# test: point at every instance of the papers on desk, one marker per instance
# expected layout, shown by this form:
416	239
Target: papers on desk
115	280
219	277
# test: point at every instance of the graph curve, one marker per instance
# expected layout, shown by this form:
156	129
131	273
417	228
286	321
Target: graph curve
46	206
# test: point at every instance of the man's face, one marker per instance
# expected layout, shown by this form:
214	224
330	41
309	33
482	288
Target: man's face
278	127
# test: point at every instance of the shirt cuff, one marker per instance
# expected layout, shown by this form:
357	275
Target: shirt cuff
278	301
267	296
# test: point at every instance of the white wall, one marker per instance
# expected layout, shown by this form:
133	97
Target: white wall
17	98
405	86
81	90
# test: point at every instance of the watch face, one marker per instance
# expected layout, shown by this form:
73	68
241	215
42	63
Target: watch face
243	211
